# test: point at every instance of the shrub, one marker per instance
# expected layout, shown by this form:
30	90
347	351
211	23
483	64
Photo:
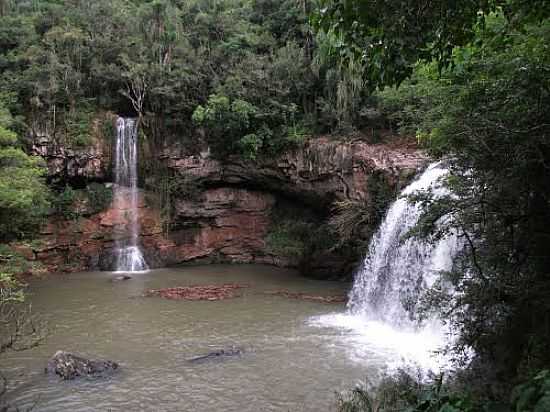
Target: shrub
23	193
20	329
78	126
286	239
229	125
99	197
64	203
533	395
404	392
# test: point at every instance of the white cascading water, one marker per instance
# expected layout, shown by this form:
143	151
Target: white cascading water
126	196
387	287
398	269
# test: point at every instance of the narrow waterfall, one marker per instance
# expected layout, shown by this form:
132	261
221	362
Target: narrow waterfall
126	197
398	269
377	325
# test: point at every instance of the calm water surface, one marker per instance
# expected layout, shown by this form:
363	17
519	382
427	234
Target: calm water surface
289	364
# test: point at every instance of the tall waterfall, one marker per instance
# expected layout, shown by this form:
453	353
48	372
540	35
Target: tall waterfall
126	196
398	269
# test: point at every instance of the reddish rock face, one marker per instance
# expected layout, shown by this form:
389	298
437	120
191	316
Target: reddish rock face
81	244
322	171
232	225
230	214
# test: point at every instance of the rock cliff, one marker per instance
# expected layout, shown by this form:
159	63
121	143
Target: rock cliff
71	164
323	170
231	207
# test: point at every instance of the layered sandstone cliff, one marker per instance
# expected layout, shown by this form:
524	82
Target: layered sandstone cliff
233	206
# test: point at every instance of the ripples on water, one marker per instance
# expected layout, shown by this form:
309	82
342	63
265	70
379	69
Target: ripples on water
296	353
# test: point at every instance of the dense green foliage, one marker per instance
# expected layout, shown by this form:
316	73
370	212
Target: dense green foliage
23	193
298	235
388	37
533	395
405	392
246	73
415	393
24	201
72	203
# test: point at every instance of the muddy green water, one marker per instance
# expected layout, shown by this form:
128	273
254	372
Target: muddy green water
288	364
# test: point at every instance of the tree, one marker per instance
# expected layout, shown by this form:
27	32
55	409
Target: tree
24	196
20	329
24	200
390	37
229	125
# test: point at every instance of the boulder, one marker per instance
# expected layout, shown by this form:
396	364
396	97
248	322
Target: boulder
70	366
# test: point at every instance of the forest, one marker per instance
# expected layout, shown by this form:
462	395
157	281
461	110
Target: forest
246	70
465	83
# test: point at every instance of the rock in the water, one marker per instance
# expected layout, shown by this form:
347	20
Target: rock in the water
203	292
121	278
218	354
304	296
70	366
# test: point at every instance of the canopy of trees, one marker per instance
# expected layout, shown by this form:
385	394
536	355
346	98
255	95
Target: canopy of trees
168	59
388	37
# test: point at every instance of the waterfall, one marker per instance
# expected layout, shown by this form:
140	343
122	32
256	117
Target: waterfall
398	269
126	197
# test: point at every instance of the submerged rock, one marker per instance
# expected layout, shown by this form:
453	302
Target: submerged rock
70	366
304	296
218	354
203	292
121	278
